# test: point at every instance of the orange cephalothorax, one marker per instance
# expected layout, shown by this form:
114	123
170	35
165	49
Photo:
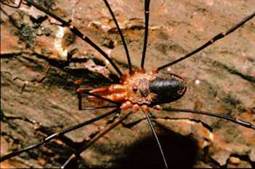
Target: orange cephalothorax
133	88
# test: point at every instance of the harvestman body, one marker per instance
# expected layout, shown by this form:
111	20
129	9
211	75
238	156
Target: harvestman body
136	90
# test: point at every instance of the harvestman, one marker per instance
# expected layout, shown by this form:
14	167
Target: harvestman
136	89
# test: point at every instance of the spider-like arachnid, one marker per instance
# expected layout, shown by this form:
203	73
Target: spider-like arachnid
136	90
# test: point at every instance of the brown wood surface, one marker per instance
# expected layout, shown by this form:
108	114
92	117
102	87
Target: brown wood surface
220	79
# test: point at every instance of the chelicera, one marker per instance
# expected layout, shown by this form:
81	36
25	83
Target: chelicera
136	89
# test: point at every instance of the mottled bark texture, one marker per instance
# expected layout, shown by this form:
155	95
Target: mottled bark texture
220	79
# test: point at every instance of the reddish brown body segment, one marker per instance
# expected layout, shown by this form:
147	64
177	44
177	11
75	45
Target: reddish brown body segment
133	90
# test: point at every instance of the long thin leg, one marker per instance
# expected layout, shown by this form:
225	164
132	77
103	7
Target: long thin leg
121	35
94	139
146	15
234	120
76	32
210	42
157	140
55	135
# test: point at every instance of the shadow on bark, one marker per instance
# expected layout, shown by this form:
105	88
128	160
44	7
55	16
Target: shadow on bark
180	151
